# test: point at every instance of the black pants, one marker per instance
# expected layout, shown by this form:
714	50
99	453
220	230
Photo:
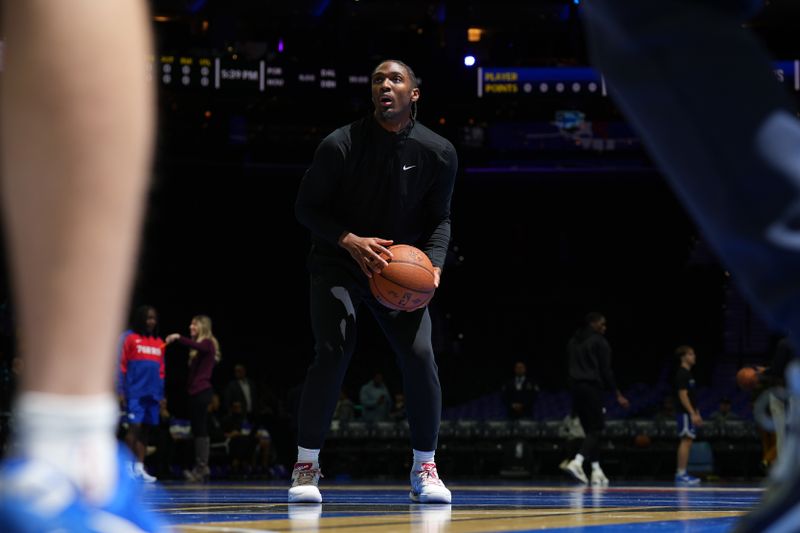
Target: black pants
587	402
337	291
198	412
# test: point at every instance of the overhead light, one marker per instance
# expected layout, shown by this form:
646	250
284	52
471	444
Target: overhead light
474	34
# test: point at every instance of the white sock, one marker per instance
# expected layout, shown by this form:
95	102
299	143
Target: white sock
578	459
422	457
73	433
595	465
681	472
307	455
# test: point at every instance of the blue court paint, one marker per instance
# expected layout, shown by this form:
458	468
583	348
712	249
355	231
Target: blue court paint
220	502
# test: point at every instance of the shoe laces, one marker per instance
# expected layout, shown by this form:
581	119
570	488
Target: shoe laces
428	475
306	475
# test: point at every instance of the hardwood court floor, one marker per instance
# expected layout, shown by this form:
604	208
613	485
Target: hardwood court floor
245	507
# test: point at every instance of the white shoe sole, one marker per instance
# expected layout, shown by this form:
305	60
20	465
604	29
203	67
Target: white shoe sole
305	497
577	477
431	498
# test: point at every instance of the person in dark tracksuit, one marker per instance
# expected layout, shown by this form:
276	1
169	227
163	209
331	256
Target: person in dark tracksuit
701	91
589	375
381	180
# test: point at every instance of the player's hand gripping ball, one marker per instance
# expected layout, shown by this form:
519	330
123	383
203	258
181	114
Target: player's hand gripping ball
407	283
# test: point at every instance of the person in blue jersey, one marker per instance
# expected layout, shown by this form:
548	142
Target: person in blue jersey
142	369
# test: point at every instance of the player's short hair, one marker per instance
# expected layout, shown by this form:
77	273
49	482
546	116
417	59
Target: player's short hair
409	70
682	350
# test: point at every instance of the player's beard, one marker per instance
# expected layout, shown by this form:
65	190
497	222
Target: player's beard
388	114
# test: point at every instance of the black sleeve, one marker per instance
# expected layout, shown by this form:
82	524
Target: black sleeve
603	352
312	207
438	207
681	381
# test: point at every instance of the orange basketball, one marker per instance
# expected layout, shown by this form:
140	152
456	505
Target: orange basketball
642	441
407	283
747	378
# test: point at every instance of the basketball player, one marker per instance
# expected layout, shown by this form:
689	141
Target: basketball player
142	371
382	179
589	374
702	94
76	119
688	416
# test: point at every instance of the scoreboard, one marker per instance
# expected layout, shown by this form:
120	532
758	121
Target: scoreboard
223	73
541	81
227	73
183	71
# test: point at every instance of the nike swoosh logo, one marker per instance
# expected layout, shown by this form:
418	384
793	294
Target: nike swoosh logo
408	167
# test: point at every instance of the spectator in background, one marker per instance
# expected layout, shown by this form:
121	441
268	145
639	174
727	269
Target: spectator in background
142	378
398	412
204	353
519	393
216	433
243	390
667	409
688	416
345	409
241	445
262	456
375	399
724	412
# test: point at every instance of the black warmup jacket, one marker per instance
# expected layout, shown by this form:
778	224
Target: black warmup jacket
590	359
376	183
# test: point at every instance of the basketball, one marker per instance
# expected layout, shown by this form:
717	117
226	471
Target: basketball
642	441
747	378
407	283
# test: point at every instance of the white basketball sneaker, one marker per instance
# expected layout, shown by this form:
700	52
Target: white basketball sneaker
305	481
599	478
426	487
